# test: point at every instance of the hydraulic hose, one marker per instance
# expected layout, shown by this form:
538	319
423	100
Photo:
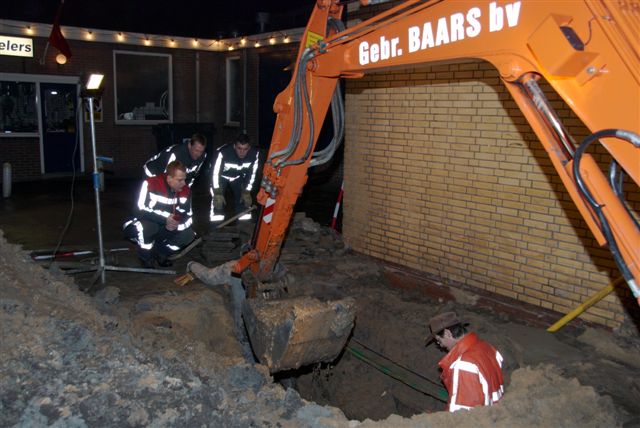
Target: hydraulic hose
297	111
604	223
301	94
337	110
616	179
337	113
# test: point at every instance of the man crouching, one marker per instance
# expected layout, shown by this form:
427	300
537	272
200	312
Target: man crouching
161	224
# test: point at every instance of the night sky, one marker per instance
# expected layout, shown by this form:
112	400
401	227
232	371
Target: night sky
188	18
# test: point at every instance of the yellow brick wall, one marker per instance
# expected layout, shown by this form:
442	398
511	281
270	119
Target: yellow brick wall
444	175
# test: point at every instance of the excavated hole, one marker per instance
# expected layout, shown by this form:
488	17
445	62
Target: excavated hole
358	389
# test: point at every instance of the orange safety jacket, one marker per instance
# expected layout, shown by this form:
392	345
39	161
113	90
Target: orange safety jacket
472	374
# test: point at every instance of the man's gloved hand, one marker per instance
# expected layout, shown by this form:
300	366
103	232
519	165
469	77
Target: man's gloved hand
218	202
246	199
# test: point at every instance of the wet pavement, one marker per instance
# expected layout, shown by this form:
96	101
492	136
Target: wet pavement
61	213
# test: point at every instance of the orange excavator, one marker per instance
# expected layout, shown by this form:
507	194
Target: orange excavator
588	51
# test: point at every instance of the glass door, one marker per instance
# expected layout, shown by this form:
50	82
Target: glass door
60	139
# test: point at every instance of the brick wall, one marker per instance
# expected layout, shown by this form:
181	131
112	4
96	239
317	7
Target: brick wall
443	175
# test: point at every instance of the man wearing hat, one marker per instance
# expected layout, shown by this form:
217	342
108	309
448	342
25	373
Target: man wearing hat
472	369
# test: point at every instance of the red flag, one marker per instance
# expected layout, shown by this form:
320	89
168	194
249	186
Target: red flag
56	38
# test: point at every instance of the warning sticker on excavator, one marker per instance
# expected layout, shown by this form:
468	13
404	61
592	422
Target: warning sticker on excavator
267	213
312	39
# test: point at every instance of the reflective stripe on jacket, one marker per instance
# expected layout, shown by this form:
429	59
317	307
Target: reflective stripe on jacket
158	164
157	201
230	167
472	373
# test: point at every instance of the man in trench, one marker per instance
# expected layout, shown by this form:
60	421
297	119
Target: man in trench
472	368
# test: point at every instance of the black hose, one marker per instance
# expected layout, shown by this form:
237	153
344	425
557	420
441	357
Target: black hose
616	179
604	223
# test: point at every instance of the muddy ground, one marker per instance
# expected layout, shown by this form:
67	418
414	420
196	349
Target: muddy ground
142	351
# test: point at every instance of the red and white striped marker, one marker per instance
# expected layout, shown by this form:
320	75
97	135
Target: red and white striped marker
336	210
267	213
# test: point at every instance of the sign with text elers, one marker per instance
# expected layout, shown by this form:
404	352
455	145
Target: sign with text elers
16	46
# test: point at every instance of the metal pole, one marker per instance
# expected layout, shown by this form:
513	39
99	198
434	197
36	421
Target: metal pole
235	217
96	188
586	305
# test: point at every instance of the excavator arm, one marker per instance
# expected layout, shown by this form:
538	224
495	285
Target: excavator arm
587	50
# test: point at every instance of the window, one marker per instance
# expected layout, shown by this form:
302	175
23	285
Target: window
18	111
143	90
234	91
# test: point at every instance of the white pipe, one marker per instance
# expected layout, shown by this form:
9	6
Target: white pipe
217	275
6	179
244	91
198	88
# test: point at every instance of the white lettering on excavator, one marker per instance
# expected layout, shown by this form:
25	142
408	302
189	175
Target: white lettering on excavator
446	33
496	16
449	29
379	51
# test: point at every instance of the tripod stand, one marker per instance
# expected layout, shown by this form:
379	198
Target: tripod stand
102	267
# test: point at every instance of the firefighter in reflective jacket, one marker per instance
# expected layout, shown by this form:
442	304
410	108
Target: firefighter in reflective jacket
472	370
235	166
191	154
162	221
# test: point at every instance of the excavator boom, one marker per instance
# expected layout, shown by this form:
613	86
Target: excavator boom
588	51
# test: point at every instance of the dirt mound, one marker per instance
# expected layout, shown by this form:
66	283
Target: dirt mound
65	363
70	360
536	397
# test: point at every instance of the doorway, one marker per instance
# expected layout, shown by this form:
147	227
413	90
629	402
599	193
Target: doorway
61	147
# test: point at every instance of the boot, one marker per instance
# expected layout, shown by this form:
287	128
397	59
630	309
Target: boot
146	258
161	256
164	262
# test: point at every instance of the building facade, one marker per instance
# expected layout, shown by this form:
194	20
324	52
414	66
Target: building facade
157	91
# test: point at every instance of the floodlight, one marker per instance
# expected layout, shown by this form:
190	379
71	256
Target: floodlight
94	81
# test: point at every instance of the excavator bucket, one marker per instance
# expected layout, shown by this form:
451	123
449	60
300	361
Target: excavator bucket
290	333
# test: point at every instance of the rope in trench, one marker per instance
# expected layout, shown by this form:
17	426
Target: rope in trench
392	369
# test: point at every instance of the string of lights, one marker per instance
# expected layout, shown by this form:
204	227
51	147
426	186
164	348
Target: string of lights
153	40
